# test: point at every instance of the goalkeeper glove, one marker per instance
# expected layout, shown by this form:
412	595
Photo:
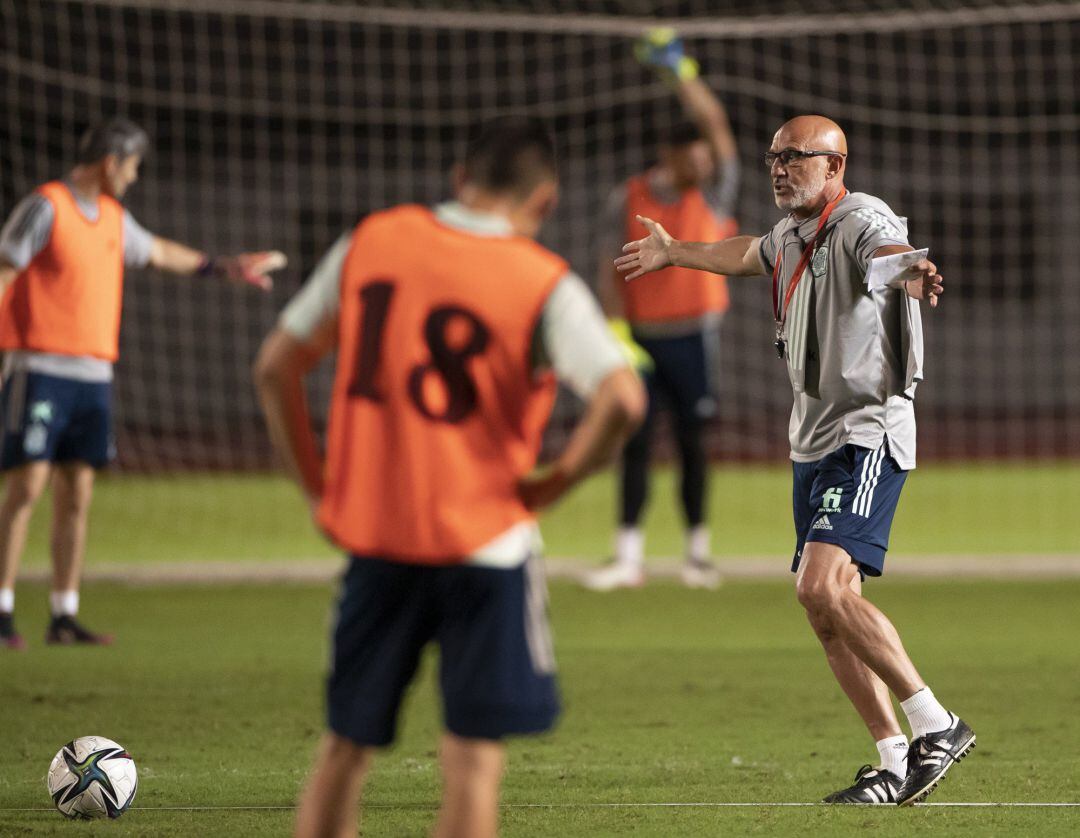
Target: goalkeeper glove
662	49
633	351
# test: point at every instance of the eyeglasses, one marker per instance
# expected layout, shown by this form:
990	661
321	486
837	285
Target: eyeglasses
792	156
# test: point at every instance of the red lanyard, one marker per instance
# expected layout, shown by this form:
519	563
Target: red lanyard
780	315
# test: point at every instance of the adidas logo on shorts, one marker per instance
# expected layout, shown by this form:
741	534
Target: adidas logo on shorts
822	523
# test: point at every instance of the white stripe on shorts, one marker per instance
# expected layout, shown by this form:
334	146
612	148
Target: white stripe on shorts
868	500
871	473
537	628
16	402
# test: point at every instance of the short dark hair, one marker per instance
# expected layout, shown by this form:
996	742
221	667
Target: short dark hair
117	135
681	134
510	154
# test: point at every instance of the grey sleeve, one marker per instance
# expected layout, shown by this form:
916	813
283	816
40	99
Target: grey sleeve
722	194
767	247
320	297
138	243
871	228
27	230
574	338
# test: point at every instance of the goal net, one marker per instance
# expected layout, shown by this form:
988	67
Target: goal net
279	124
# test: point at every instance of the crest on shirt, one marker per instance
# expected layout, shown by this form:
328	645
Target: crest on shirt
817	264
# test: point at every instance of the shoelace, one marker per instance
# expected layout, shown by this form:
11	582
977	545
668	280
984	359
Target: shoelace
918	756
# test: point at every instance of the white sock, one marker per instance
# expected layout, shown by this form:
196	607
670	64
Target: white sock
630	546
697	543
7	600
64	603
925	713
893	753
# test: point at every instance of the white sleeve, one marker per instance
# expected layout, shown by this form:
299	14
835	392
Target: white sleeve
320	297
575	338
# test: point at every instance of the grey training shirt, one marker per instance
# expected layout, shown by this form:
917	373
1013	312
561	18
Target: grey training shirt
853	356
23	237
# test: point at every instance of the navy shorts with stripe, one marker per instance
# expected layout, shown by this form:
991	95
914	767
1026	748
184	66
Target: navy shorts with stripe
848	498
496	664
55	419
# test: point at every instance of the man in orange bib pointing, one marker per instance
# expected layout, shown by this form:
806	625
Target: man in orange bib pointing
63	252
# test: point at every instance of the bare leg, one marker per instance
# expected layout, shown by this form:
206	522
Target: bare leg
836	610
22	488
863	688
330	802
73	487
472	773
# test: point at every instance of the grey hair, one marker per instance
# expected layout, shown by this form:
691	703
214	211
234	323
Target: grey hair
117	136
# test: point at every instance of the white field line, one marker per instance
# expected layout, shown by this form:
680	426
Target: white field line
321	570
654	805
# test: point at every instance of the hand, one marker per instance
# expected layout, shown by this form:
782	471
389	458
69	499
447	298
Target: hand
251	268
926	284
662	49
543	486
646	255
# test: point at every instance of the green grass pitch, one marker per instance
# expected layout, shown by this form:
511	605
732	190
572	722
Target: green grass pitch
993	508
671	696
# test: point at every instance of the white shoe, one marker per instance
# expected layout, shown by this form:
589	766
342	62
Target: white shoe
614	575
696	573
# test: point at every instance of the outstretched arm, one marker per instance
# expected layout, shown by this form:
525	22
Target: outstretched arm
921	281
736	256
246	268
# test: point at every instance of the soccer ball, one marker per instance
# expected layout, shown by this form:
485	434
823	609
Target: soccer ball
92	777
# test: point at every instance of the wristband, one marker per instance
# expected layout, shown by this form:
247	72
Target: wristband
207	266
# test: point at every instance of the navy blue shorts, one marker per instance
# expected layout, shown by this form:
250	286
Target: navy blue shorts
848	498
496	669
684	372
55	419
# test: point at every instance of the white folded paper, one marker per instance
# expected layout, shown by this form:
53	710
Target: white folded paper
886	270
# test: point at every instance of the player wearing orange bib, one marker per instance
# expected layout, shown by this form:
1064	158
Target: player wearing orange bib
676	320
451	327
63	252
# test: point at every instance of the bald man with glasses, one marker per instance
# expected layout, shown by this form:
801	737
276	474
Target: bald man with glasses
853	351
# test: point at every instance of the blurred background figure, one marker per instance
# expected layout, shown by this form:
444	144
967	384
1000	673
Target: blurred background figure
671	323
62	257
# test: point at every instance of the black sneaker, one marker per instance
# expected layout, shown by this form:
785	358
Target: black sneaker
9	637
65	630
872	787
931	756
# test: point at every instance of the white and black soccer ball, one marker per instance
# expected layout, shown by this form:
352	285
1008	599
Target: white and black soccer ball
92	777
